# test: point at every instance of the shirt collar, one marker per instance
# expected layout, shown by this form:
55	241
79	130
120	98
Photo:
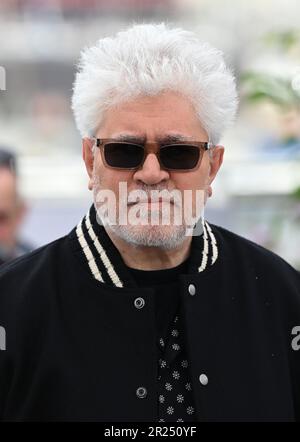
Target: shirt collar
104	262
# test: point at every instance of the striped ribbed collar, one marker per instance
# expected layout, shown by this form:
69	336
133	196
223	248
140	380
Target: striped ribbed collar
103	261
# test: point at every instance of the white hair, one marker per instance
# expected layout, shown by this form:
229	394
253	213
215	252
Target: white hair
148	59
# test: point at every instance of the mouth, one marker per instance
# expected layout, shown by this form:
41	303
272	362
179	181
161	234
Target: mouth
152	201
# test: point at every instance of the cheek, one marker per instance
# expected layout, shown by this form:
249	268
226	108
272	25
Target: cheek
195	183
191	180
6	230
111	179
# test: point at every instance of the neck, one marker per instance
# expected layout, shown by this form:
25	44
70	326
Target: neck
150	258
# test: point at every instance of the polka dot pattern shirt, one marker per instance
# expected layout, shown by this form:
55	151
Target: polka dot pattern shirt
175	398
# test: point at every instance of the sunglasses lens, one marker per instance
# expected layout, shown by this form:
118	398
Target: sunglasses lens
179	156
123	155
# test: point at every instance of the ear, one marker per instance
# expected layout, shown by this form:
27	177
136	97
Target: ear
216	160
88	158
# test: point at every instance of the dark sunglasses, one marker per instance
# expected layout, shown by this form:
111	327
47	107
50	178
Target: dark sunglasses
179	155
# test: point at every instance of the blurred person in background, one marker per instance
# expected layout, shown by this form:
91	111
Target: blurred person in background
12	209
118	321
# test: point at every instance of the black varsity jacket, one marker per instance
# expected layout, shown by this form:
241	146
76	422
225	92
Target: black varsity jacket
75	347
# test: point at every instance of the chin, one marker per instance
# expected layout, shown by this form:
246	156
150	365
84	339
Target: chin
163	237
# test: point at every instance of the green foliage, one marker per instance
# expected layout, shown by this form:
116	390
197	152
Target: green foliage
278	90
284	40
259	86
296	193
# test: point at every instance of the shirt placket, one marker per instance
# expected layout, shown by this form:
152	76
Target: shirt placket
175	395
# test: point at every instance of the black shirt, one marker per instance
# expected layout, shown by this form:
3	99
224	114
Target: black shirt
165	284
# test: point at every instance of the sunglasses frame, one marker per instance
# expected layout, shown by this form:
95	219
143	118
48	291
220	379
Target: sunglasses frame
202	146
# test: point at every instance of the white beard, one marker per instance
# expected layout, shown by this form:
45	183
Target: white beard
165	237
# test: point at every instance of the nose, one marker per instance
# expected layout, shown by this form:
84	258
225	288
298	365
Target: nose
151	172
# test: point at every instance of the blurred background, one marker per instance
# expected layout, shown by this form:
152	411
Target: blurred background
257	192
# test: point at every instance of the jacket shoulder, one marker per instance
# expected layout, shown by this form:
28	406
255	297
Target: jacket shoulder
24	273
241	250
30	259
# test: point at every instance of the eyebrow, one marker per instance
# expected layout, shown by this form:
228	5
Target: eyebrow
141	139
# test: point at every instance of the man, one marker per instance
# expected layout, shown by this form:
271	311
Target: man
126	319
12	209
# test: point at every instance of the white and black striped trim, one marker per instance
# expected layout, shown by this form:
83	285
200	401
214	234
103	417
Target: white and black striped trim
205	249
208	235
103	256
215	251
88	254
210	250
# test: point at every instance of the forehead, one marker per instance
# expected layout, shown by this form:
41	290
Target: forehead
167	113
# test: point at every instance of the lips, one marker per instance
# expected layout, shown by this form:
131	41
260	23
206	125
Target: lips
151	201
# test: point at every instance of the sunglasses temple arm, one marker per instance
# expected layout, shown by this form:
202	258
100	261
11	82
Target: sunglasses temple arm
210	148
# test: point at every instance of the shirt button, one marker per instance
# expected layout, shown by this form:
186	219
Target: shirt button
203	379
141	392
192	289
139	303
